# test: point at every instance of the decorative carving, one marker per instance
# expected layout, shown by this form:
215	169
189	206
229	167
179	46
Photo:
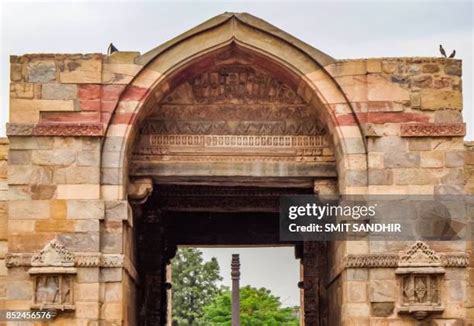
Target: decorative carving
243	84
371	261
59	129
433	129
53	254
80	260
420	255
233	113
53	292
223	127
140	189
420	271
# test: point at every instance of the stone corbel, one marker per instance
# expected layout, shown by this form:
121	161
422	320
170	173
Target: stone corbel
420	270
139	189
53	272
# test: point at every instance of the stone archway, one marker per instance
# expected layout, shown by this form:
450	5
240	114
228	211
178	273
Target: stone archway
219	149
289	129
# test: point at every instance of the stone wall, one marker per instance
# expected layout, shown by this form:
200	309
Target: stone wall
397	129
3	219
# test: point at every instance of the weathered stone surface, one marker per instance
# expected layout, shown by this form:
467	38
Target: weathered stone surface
382	309
56	157
22	90
448	116
41	71
111	243
58	92
383	291
116	210
413	177
81	71
77	175
380	177
81	191
111	275
440	100
454	68
123	57
26	174
81	242
28	209
431	159
85	209
401	160
454	159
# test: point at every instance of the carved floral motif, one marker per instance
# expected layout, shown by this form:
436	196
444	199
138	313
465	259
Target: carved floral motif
433	129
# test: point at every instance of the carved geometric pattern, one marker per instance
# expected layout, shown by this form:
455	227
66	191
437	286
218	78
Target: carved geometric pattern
80	260
433	129
63	129
53	254
420	255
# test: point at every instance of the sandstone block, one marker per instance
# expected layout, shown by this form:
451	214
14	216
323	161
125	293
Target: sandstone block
16	72
41	71
29	209
89	92
87	275
432	159
81	242
54	225
41	105
88	158
383	291
27	174
401	160
112	243
58	92
454	68
356	292
81	71
85	209
122	57
454	159
380	177
85	191
19	157
31	142
374	65
19	290
116	210
86	226
53	157
382	309
87	310
77	175
447	116
419	144
382	90
440	100
86	292
387	144
413	177
430	68
21	226
111	275
357	274
119	73
113	292
22	90
375	160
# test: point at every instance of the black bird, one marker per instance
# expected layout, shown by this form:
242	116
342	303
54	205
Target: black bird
111	49
453	54
443	53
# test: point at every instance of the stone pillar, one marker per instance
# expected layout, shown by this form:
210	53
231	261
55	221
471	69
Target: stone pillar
235	274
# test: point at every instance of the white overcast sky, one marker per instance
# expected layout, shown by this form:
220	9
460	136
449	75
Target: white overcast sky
350	29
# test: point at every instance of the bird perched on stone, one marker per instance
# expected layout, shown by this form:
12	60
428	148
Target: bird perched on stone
453	54
441	49
111	49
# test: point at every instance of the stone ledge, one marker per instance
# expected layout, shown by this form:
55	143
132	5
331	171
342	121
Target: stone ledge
433	130
64	130
392	260
80	260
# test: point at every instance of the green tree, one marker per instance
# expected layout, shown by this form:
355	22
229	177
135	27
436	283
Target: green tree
258	307
194	285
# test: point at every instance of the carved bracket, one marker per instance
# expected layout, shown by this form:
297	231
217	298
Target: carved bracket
139	190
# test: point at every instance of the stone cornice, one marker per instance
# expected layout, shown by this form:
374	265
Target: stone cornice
433	130
57	129
80	260
392	260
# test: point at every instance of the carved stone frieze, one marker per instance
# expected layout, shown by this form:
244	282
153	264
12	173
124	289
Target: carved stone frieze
433	130
59	129
80	260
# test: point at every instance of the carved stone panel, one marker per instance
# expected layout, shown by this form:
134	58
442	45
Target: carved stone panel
233	113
